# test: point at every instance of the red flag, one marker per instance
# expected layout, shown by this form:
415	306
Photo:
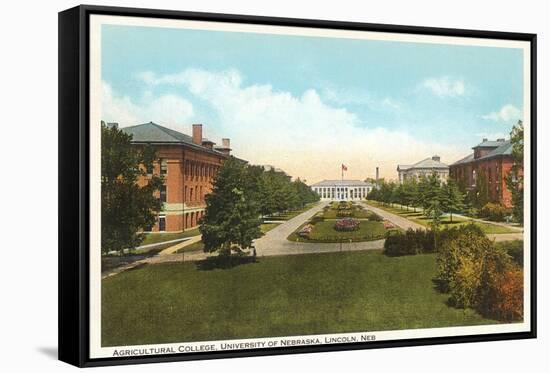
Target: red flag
344	167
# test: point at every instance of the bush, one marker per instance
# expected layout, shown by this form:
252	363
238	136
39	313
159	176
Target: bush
507	296
456	244
494	212
374	217
514	249
478	274
409	243
344	214
316	219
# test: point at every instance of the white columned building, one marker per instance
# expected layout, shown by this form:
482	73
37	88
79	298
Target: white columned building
342	190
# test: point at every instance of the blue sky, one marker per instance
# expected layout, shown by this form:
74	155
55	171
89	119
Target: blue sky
328	100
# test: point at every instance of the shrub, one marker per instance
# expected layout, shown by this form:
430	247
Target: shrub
344	214
514	249
455	244
316	219
305	231
408	243
346	225
478	274
374	217
494	212
507	296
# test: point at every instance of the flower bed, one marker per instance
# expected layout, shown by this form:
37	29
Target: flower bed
346	225
388	224
305	231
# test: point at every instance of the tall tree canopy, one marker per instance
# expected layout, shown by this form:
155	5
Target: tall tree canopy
232	218
514	180
126	207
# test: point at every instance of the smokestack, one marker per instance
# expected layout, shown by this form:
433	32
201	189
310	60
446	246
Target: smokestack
377	173
226	143
197	134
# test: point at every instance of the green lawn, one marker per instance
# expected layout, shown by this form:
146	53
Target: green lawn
419	218
161	237
324	231
266	227
277	296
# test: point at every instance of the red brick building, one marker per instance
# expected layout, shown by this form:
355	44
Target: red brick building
489	164
189	165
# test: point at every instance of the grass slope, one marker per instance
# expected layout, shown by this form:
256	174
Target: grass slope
277	296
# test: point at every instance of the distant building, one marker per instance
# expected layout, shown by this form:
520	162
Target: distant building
342	190
188	164
425	167
491	161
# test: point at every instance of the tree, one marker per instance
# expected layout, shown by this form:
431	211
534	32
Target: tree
127	207
232	217
410	192
451	198
514	179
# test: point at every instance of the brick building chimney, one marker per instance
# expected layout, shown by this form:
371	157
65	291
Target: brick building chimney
225	148
377	174
197	134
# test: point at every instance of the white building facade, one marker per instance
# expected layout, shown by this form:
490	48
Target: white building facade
425	167
342	190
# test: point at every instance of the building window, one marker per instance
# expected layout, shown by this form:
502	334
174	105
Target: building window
162	223
163	167
163	194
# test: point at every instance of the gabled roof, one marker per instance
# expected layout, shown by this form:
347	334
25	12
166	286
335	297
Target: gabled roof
425	163
332	183
153	133
466	159
504	148
489	144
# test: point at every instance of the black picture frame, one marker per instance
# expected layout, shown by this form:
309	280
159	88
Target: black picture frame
74	182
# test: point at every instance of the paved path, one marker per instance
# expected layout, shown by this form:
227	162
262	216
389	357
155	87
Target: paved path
174	248
400	221
274	242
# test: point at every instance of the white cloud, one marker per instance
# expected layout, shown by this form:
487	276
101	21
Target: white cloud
170	110
302	134
508	113
445	86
